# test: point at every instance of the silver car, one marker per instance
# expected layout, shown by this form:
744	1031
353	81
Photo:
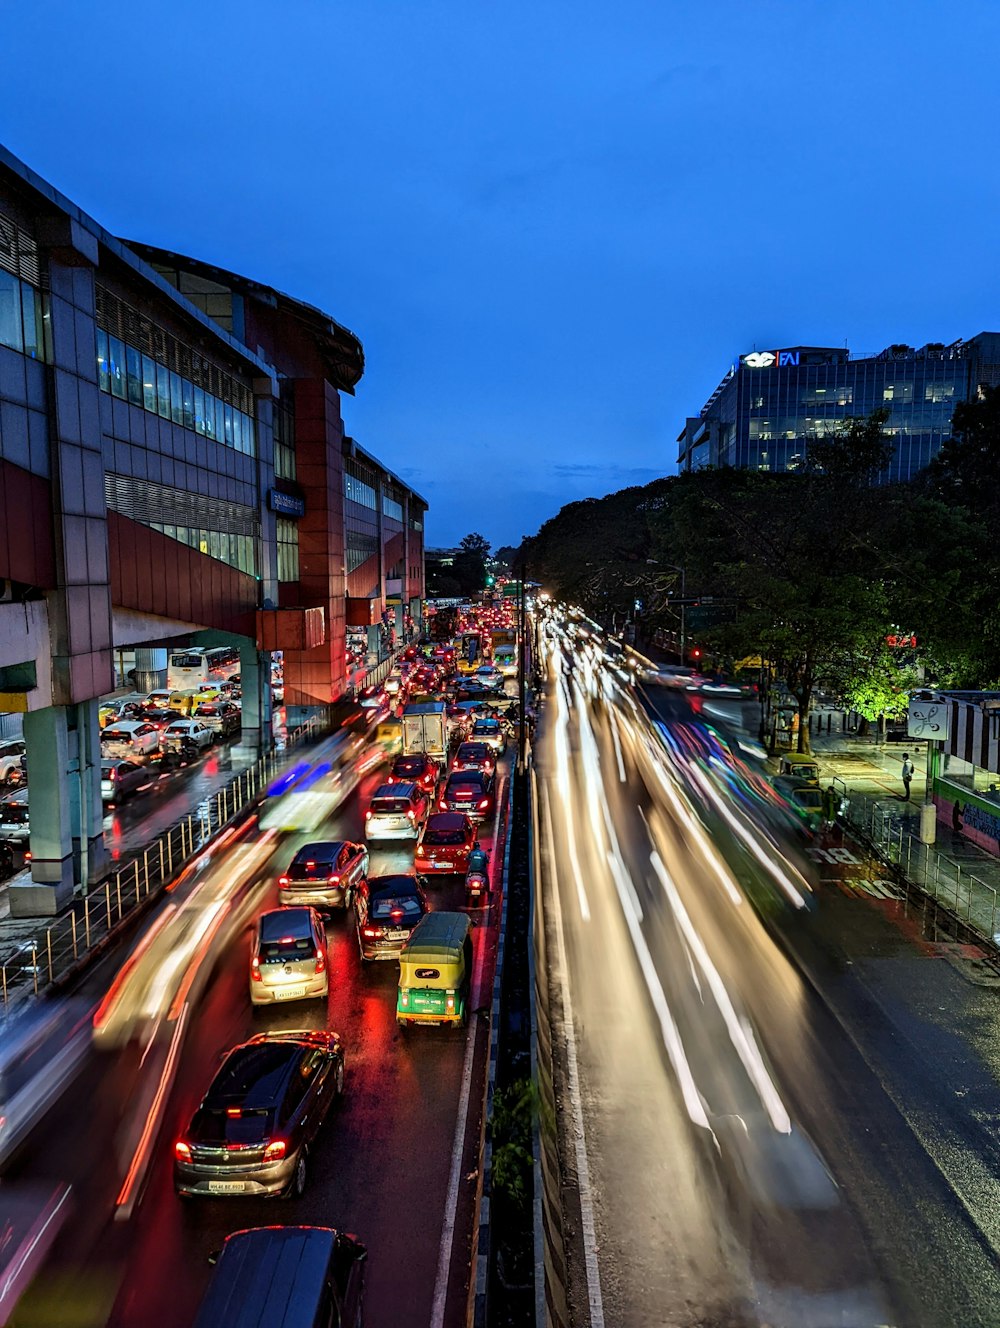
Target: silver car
288	960
325	874
396	811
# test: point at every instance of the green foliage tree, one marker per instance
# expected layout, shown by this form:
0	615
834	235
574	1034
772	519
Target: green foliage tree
470	563
877	687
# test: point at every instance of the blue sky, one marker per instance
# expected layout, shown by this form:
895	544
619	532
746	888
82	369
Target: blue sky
554	224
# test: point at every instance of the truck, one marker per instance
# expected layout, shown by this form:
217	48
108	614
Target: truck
425	729
504	642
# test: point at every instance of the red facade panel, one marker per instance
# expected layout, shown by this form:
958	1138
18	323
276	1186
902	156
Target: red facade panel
27	541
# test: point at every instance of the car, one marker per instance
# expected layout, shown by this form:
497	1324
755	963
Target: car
490	677
157	699
475	756
10	761
159	716
120	779
222	717
396	811
127	739
394	684
324	874
252	1131
469	791
459	720
418	768
14	823
183	731
491	732
444	845
471	689
387	909
288	957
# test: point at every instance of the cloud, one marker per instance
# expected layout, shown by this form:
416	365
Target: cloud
620	476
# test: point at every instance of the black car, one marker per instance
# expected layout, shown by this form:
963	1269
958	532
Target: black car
252	1132
471	689
469	791
417	768
388	908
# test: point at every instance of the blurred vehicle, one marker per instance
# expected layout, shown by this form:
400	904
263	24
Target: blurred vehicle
491	732
10	761
804	798
120	779
389	735
444	845
418	768
675	675
469	791
14	823
288	957
435	970
286	1277
224	718
252	1132
396	811
458	720
387	908
324	874
41	1051
30	1219
309	791
130	738
475	756
394	684
186	731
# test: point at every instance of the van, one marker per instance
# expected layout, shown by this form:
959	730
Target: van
435	971
286	1277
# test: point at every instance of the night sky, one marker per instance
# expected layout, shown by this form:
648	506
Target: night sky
553	225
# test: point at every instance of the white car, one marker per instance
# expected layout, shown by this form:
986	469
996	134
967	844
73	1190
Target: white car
186	730
129	738
10	760
490	676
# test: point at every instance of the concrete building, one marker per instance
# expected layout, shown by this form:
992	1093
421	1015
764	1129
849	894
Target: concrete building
772	404
173	468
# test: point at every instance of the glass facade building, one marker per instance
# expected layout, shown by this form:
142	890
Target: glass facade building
773	404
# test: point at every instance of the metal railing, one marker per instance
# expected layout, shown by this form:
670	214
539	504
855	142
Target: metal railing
54	951
962	892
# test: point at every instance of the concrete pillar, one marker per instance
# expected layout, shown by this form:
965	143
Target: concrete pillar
374	644
150	669
51	890
417	614
86	807
399	619
255	684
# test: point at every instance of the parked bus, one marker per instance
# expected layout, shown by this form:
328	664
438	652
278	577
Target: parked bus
189	670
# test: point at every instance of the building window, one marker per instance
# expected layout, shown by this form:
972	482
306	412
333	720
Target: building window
25	325
392	509
358	492
288	549
284	434
939	392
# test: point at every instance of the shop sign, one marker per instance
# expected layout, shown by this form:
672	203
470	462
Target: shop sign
771	359
285	504
928	719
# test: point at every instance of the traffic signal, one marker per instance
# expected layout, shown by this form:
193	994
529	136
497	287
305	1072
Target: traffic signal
490	580
696	653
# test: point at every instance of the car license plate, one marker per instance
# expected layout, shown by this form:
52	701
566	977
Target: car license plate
440	865
290	993
397	934
227	1186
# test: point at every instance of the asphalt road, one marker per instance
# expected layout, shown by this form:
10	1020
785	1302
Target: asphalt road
775	1115
385	1167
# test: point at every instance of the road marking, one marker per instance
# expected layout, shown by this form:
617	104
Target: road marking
579	1142
618	747
451	1202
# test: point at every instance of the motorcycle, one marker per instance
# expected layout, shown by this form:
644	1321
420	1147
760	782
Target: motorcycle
477	880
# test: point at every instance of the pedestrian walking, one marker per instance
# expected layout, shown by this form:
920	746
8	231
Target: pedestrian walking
907	773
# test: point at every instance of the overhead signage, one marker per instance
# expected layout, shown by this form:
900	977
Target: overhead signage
928	719
771	359
286	504
896	642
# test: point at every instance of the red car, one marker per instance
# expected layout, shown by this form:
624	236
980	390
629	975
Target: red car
444	845
469	791
419	769
475	756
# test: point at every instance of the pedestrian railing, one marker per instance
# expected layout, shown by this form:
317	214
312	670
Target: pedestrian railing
959	890
54	951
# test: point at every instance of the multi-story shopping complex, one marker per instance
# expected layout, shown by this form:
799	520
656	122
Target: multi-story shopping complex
173	468
773	403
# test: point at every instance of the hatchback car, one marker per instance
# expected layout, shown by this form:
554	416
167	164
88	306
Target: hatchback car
469	791
324	874
253	1130
396	811
14	824
444	845
387	908
183	731
120	779
288	957
490	677
129	738
159	716
475	756
491	732
419	769
10	761
158	698
223	717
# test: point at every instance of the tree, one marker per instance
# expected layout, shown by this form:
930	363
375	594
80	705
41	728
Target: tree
470	563
877	687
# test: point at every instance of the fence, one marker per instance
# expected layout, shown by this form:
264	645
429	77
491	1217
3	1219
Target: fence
959	890
55	951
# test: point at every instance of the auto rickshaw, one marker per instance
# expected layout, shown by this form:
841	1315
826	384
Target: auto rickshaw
389	736
435	971
799	765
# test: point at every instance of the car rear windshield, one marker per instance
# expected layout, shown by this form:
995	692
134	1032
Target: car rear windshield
444	837
408	765
254	1072
390	806
13	813
116	735
486	726
289	948
407	907
208	710
309	871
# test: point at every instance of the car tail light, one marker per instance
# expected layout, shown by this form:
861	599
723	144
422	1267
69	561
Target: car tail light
182	1151
320	961
368	814
484	804
443	804
282	880
371	932
235	1112
255	970
333	880
275	1151
410	814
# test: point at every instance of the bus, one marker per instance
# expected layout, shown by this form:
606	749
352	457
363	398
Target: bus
188	670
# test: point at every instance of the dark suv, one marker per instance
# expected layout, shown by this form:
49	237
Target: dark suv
252	1133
